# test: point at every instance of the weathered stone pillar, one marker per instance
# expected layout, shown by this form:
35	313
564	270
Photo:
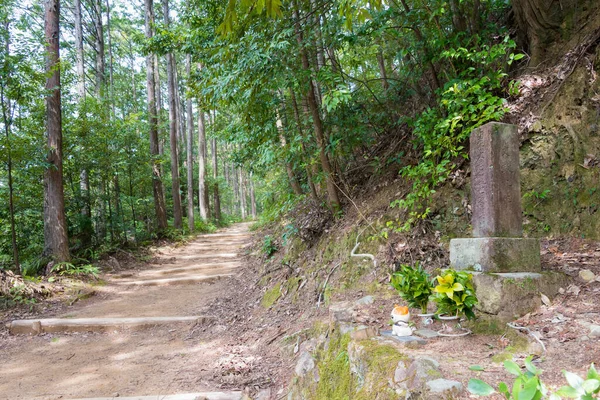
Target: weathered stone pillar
497	244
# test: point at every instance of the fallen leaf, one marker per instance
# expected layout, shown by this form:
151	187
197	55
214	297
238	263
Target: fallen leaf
545	300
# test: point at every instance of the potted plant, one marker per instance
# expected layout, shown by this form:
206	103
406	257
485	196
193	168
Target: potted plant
455	296
414	286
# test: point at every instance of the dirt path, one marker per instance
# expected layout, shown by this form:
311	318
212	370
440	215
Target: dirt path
123	360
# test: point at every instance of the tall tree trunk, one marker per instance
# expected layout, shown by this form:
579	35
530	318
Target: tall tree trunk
288	166
382	71
86	227
236	190
216	198
252	197
7	120
190	152
56	242
242	194
332	193
309	175
100	64
172	87
110	59
79	49
157	187
202	174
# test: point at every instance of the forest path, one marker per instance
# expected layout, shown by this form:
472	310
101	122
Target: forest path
135	338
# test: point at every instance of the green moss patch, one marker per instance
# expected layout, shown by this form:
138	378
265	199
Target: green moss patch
271	296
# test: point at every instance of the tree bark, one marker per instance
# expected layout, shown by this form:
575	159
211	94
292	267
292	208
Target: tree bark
252	198
332	193
100	63
216	198
202	188
79	49
7	119
56	242
157	187
539	25
309	175
242	194
288	166
382	71
110	59
190	152
172	89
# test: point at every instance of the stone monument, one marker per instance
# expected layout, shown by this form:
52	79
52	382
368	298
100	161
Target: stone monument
507	269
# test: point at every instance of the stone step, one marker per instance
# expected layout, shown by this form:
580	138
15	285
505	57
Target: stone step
187	280
206	268
187	396
64	325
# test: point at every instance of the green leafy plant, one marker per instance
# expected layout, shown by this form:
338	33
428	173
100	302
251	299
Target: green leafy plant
269	247
413	285
528	385
455	294
68	269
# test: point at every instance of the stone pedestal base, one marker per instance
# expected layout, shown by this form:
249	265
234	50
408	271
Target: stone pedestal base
508	296
495	254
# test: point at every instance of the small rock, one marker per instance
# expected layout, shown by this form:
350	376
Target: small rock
587	275
584	339
264	394
412	376
444	386
341	312
305	364
594	331
363	332
365	301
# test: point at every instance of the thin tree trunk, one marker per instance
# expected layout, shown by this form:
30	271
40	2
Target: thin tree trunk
202	188
190	152
110	58
79	49
382	71
288	166
56	242
242	194
216	199
252	197
332	194
236	190
6	111
309	175
157	187
175	187
100	65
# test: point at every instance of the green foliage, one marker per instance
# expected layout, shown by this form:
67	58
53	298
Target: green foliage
68	269
528	385
466	102
414	286
269	246
455	294
18	294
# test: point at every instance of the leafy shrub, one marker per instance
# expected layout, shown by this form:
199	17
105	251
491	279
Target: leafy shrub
528	385
466	102
455	293
414	286
68	269
269	246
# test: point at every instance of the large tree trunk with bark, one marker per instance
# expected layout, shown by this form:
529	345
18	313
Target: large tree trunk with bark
157	187
172	89
539	23
56	242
